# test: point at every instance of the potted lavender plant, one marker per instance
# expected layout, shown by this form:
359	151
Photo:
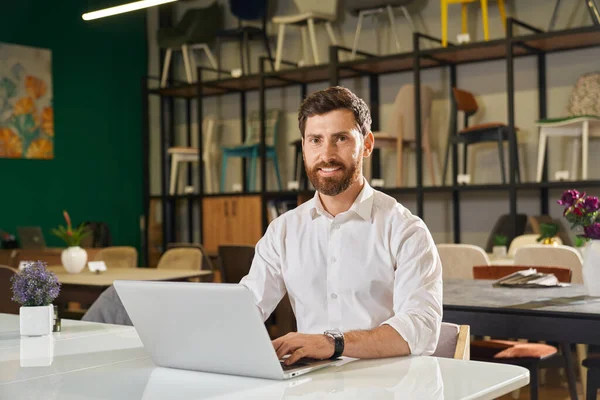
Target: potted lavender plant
35	288
583	212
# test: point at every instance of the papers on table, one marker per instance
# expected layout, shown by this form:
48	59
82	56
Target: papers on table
529	278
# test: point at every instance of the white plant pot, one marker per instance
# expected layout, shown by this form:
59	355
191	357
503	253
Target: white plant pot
499	251
74	259
36	321
591	268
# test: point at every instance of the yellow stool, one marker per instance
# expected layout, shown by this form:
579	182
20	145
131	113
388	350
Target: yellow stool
464	3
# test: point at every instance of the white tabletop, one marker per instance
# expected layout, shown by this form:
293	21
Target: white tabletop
95	361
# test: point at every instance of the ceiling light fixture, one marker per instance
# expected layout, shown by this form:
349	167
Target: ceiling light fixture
138	5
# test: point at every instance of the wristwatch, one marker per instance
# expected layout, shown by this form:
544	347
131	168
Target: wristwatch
338	339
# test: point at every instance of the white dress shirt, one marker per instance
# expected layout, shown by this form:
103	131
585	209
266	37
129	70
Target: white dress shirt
371	265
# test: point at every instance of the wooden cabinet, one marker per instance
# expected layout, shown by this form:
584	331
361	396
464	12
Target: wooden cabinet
231	220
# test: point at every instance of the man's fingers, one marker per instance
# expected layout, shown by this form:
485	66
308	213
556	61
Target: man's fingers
282	339
295	356
287	348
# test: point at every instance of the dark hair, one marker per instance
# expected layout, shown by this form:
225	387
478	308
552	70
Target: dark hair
335	98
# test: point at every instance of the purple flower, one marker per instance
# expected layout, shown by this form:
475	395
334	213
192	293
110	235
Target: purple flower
569	197
35	285
592	231
591	204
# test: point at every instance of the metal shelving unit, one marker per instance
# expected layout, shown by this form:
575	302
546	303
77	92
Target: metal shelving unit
535	43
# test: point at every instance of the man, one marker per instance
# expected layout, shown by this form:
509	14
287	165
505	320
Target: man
363	274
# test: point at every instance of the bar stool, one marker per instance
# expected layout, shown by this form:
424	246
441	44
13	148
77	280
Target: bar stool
464	5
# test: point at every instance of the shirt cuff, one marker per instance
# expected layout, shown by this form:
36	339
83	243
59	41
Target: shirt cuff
418	336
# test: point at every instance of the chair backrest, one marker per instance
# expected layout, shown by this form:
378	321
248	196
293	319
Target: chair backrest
495	272
181	258
458	260
271	125
552	256
206	262
248	10
118	257
503	226
200	25
108	309
526	240
585	97
453	342
235	262
403	114
327	7
7	306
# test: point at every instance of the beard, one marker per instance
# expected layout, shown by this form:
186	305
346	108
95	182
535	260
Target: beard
332	185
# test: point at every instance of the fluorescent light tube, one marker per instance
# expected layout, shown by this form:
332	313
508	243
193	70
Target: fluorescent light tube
138	5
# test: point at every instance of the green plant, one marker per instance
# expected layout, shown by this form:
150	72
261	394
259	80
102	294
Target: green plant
548	231
72	237
500	240
580	241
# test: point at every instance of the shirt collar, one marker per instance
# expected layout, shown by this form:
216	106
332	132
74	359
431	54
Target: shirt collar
362	205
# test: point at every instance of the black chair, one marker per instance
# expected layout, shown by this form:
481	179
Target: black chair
245	10
490	132
592	363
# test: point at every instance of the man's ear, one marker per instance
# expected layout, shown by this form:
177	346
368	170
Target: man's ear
369	142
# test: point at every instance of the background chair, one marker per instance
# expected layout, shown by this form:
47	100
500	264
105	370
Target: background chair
592	9
554	256
581	123
534	222
526	240
458	260
464	15
401	132
196	30
235	262
246	11
108	309
453	342
504	226
373	8
118	257
181	154
7	306
310	13
251	147
489	132
181	258
592	363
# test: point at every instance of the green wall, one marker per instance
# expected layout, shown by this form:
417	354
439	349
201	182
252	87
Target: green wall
96	173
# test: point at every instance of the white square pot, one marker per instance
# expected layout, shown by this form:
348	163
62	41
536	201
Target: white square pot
36	321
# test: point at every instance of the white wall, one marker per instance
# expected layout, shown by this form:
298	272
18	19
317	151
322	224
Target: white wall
486	80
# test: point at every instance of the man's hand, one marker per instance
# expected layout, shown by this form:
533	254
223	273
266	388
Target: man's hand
300	345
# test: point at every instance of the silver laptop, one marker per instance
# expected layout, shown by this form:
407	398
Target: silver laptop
31	237
210	327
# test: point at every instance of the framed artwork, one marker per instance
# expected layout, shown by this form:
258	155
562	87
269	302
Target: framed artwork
26	111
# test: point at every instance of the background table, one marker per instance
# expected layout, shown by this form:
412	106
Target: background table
98	361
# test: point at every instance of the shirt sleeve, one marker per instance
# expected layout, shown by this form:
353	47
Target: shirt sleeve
265	280
417	288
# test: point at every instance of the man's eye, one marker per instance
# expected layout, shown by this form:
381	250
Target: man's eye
342	138
314	140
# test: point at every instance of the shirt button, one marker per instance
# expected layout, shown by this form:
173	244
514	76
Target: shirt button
334	226
333	296
333	259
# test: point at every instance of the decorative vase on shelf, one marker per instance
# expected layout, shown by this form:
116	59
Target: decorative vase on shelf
74	259
591	268
36	321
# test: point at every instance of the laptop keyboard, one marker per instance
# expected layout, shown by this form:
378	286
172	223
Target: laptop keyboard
303	362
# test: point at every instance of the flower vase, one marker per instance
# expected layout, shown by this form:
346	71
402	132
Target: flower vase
591	268
36	321
74	259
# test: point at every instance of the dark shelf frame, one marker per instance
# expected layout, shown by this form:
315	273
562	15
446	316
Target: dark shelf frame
535	43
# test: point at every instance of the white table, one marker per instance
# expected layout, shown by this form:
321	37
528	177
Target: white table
96	361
